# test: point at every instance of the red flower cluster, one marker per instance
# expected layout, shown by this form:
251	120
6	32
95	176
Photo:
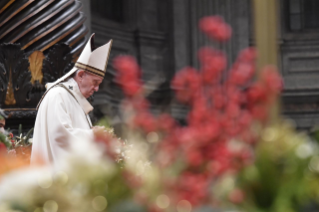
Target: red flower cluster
187	82
224	105
213	63
191	187
215	27
128	75
11	139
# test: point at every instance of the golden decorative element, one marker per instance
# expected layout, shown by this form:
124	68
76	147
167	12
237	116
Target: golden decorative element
10	100
36	62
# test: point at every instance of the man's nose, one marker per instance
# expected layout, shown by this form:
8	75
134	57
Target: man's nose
96	88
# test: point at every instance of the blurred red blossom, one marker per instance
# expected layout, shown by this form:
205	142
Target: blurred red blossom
257	93
186	83
145	121
272	79
212	64
128	75
247	55
215	27
166	122
223	107
191	187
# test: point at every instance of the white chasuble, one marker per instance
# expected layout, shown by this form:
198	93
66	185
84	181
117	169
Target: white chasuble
62	118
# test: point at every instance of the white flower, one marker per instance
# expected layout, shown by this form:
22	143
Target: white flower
17	184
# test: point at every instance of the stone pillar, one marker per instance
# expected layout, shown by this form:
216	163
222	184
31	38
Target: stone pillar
151	39
181	33
265	16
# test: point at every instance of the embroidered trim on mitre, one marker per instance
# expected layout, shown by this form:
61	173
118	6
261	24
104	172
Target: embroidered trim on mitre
90	69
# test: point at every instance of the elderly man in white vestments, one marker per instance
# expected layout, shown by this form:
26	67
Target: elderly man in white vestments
63	110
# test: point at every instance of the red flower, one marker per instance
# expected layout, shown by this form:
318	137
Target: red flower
222	33
259	112
187	137
230	126
194	158
198	115
242	73
219	100
186	83
272	79
192	187
257	93
127	65
145	121
215	27
166	122
209	132
245	119
132	88
234	95
220	159
247	55
128	75
232	110
213	63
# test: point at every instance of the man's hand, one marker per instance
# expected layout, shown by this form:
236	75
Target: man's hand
98	129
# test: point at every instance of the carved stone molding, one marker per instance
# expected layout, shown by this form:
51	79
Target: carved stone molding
20	113
14	76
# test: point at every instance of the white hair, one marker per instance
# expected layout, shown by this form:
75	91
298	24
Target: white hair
75	73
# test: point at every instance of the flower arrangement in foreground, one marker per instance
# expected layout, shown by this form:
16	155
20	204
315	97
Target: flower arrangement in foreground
228	109
226	155
17	146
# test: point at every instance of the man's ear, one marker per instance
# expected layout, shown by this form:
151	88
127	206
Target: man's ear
81	73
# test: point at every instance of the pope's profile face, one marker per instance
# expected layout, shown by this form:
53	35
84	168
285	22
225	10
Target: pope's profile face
89	83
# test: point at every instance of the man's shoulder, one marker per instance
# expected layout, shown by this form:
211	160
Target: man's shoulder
57	92
54	91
